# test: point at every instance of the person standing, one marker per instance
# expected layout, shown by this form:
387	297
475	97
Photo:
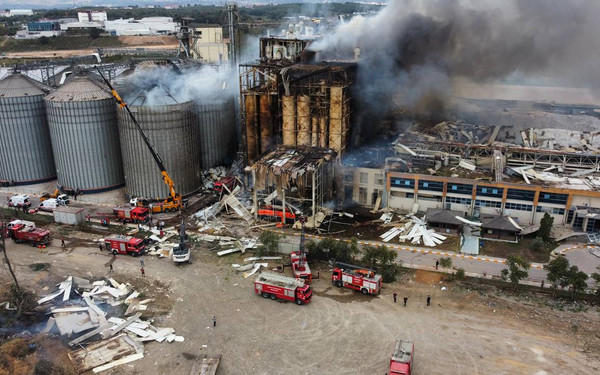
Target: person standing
437	263
428	300
214	321
62	242
100	246
143	272
142	262
111	270
405	300
395	296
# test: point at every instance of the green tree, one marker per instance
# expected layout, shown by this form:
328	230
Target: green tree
537	244
269	242
517	269
44	40
596	277
446	262
577	280
557	272
94	33
546	227
383	259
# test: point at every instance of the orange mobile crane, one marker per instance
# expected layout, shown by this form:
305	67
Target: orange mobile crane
174	202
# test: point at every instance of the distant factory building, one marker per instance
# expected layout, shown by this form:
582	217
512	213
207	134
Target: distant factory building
92	16
210	46
145	26
20	12
39	29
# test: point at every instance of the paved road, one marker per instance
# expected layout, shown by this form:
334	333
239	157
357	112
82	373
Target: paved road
424	258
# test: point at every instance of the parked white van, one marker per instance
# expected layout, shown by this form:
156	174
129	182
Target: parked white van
18	201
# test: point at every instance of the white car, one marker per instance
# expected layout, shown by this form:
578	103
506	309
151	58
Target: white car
63	199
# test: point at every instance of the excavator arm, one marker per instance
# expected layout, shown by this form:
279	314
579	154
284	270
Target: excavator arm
163	171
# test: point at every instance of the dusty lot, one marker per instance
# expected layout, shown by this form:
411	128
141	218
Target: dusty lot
340	332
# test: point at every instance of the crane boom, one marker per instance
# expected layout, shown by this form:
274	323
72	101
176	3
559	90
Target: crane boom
163	171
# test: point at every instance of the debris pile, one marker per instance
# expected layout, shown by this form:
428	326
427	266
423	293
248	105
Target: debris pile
212	175
415	229
85	317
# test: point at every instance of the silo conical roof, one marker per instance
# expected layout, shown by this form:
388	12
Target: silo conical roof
18	85
80	89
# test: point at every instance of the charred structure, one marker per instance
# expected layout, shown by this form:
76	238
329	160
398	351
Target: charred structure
286	100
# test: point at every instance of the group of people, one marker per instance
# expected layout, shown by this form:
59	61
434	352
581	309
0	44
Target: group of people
395	295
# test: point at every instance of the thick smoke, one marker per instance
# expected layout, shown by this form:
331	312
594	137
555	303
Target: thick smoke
165	85
412	52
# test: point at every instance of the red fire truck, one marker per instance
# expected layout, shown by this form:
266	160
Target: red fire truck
357	278
22	233
120	244
402	358
131	214
300	267
274	286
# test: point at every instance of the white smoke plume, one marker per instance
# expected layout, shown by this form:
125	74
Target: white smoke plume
164	85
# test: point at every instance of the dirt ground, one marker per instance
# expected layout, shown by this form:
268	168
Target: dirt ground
136	40
339	332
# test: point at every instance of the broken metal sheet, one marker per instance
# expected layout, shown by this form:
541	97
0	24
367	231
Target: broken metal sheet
88	335
255	269
513	222
467	165
460	218
116	329
253	259
68	309
206	366
102	352
387	217
245	267
73	323
122	361
51	322
228	251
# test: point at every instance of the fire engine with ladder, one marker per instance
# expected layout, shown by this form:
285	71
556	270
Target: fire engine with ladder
300	267
354	277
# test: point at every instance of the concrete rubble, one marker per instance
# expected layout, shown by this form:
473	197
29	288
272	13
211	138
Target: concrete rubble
81	314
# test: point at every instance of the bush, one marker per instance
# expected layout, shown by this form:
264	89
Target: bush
537	244
459	274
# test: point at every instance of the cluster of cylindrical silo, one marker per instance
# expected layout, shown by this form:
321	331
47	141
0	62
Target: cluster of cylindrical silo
25	149
80	136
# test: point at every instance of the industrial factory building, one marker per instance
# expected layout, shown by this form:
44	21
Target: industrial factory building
292	103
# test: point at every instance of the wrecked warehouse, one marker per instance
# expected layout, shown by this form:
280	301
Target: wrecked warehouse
293	181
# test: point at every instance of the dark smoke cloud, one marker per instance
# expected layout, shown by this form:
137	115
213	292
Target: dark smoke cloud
412	51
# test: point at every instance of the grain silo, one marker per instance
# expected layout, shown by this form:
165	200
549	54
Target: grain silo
216	121
25	148
85	138
173	130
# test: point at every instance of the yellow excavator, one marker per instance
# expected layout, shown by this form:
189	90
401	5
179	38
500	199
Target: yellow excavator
175	201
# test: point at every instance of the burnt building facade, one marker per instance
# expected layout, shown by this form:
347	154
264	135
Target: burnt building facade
289	100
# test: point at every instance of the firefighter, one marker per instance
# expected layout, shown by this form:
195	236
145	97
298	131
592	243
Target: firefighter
395	296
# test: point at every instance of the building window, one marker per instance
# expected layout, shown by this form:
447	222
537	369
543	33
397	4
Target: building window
465	201
405	183
550	210
431	185
364	178
362	196
521	195
553	198
482	203
489	192
518	207
460	189
349	177
432	198
379	179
